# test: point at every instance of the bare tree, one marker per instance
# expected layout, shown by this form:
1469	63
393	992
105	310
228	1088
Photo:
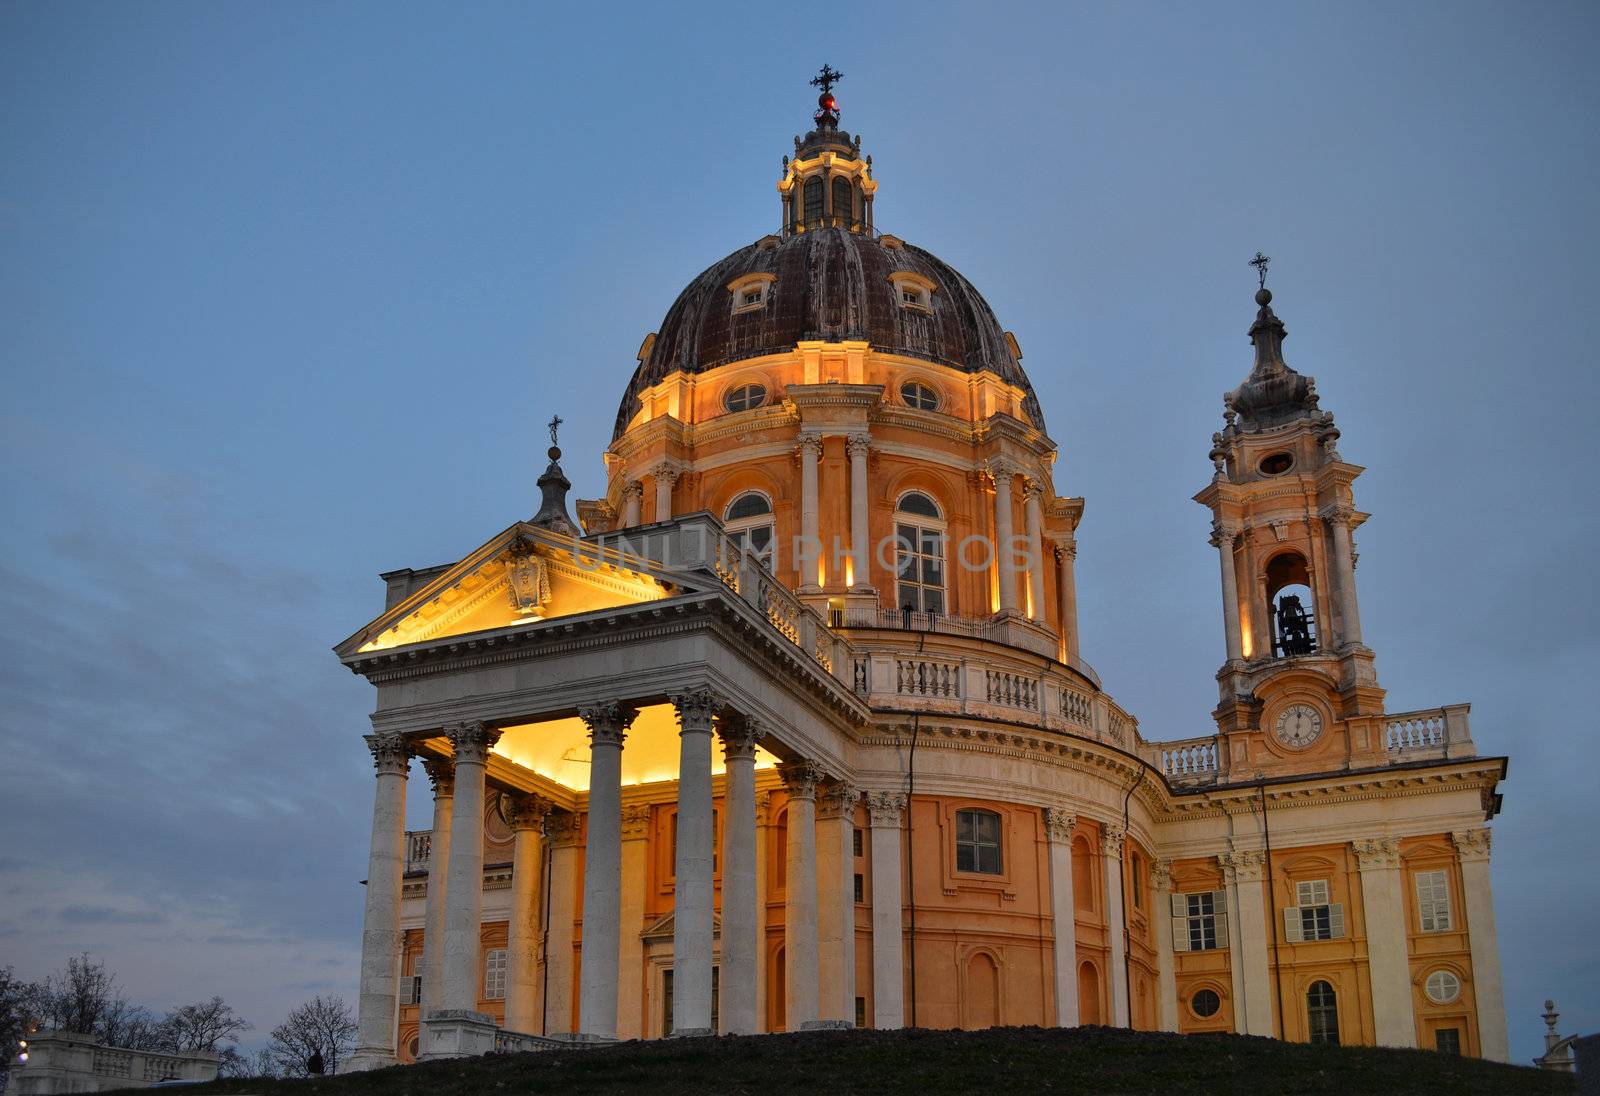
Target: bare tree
78	998
203	1025
129	1026
323	1025
20	1004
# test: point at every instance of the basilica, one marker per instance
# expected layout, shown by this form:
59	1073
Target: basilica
792	728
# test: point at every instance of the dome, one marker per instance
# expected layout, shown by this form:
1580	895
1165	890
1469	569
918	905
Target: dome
832	284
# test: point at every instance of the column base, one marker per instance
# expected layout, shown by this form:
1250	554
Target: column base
827	1025
691	1033
366	1058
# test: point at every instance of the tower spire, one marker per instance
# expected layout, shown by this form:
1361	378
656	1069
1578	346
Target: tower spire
1273	393
553	488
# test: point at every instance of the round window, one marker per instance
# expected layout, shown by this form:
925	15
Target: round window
1205	1003
919	396
745	397
1276	464
1443	987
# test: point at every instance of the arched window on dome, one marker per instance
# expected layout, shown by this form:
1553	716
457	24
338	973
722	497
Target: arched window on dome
919	531
749	522
814	194
843	214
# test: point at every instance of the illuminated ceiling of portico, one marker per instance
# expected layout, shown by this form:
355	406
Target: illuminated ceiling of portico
558	749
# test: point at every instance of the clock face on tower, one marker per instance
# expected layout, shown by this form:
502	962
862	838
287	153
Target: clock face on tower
1299	726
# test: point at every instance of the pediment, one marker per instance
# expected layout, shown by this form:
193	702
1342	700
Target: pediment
524	575
661	929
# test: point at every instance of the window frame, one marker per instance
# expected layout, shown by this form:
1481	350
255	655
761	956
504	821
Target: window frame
977	844
1454	986
1434	909
1315	917
495	967
732	393
742	529
927	396
926	530
1326	1010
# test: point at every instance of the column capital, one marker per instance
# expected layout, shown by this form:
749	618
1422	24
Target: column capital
608	722
1000	470
528	812
740	735
1243	866
808	442
1065	550
391	753
633	487
442	774
562	830
636	821
800	778
1338	513
1111	840
1032	488
763	809
696	708
1161	876
886	810
838	800
1375	853
665	470
857	443
1472	844
1059	822
472	741
1224	533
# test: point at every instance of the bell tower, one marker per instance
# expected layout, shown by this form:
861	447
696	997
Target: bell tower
1283	517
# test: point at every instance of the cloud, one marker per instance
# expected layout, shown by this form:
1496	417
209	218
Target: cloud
106	915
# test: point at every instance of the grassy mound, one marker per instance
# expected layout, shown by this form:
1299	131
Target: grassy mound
1001	1062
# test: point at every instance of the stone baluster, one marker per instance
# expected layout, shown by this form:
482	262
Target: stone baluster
380	930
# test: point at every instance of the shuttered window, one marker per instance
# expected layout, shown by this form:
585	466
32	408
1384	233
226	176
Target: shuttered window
1433	900
1315	918
1200	921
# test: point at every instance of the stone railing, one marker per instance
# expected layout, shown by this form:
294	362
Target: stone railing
419	846
60	1061
1434	732
1077	708
1017	633
1189	761
1012	690
927	677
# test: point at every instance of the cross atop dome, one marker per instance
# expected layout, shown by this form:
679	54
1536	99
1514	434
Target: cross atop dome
827	116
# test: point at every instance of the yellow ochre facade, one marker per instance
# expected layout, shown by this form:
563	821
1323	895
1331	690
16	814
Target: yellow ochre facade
792	727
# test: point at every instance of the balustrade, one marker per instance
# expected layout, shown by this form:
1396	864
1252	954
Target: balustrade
1013	690
923	677
1415	731
1192	760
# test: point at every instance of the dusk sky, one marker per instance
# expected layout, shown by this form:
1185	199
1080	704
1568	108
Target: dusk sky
289	291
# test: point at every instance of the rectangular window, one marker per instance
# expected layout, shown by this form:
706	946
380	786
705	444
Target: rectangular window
1202	918
978	842
919	568
861	1012
494	974
414	990
1447	1040
860	895
1433	900
1138	881
855	840
1314	918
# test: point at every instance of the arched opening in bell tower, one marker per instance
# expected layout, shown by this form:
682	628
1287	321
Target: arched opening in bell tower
1291	606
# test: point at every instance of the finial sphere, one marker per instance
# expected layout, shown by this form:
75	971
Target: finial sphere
554	452
1263	296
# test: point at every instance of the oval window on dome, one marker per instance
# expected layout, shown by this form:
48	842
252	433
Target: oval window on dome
919	396
1276	464
744	397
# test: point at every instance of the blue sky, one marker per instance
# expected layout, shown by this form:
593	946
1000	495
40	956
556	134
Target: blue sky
289	289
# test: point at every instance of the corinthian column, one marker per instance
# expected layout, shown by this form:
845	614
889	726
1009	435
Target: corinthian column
860	550
1388	967
1472	848
692	894
1004	550
1067	584
1059	823
1033	513
1223	534
380	929
524	955
800	908
886	813
608	724
836	920
1111	841
442	772
632	503
463	911
665	475
740	894
1338	519
810	548
563	899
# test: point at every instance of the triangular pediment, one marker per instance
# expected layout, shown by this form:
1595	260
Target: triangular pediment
524	575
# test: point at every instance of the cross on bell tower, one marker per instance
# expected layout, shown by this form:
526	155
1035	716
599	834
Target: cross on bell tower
1283	516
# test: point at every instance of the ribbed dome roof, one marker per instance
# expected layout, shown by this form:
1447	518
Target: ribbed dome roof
832	284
